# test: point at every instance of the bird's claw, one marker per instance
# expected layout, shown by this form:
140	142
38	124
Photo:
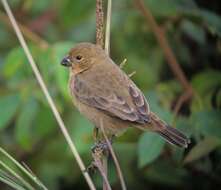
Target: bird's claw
100	146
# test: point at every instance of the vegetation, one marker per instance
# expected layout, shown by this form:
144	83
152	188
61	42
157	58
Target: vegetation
29	132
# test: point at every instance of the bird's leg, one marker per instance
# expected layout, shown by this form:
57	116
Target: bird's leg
102	145
96	134
96	139
99	149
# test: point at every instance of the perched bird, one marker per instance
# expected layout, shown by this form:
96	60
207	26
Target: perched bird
101	90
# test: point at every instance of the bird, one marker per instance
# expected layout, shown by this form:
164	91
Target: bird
101	90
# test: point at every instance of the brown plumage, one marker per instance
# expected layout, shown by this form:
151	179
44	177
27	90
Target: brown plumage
101	90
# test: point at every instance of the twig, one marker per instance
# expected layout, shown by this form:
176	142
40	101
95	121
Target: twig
105	168
123	63
99	23
119	172
47	95
97	155
100	41
11	183
132	74
107	49
27	32
23	169
182	99
17	176
171	59
108	23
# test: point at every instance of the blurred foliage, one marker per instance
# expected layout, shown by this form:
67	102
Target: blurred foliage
28	129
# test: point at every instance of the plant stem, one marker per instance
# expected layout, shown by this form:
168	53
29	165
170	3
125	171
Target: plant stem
25	183
47	95
99	23
169	55
119	172
23	169
108	24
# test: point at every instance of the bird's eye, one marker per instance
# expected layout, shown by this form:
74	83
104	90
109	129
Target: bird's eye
78	57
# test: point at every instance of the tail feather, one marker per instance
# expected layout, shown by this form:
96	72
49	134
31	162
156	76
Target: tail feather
170	134
174	137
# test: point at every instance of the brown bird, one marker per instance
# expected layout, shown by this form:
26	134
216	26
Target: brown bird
102	91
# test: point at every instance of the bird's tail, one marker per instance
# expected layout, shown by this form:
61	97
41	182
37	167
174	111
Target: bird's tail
170	134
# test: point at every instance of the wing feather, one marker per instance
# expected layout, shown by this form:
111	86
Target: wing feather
114	104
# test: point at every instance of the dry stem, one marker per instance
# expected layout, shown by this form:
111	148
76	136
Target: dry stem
108	23
119	172
99	23
100	41
97	155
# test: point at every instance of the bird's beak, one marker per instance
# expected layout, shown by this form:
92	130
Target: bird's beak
66	62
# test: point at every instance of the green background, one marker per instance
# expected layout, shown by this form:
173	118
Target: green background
28	129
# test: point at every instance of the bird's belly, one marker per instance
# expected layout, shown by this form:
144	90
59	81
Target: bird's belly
112	125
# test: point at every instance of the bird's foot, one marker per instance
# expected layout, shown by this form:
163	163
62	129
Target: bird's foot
100	146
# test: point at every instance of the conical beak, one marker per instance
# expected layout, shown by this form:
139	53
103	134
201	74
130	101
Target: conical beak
66	62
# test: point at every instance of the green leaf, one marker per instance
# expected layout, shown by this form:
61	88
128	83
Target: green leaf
163	172
8	108
206	81
45	122
13	62
170	7
212	21
205	84
202	149
194	31
24	127
207	122
149	148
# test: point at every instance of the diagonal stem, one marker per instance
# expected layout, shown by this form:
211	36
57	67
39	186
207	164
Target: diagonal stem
169	55
119	172
47	95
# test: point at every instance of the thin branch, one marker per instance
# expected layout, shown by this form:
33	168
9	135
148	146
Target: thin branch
27	32
32	177
47	95
100	41
132	74
97	155
99	23
108	24
105	167
123	63
17	176
160	36
182	99
107	49
119	172
11	183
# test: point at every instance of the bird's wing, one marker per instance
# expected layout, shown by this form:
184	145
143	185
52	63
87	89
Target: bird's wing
117	98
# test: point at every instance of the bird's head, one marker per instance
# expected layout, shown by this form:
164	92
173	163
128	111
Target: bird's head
82	57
